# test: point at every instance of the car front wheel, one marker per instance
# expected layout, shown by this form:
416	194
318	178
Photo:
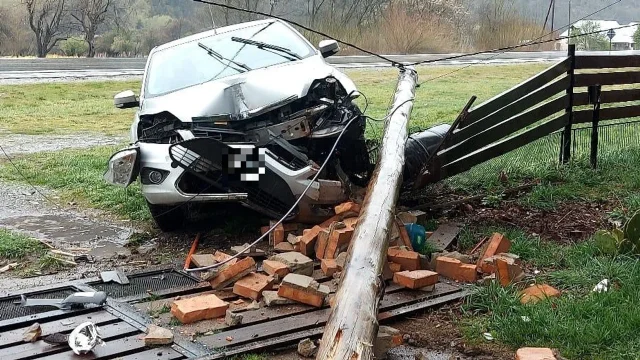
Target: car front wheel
168	217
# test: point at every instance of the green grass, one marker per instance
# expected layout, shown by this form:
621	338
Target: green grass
15	246
78	107
581	324
77	176
64	108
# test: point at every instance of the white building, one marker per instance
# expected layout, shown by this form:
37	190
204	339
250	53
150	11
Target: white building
623	40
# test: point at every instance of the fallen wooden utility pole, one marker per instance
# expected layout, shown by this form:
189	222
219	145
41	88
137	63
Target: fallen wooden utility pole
353	326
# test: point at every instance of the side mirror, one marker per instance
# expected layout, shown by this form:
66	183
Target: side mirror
126	100
328	48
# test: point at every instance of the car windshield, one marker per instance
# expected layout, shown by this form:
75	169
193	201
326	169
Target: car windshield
191	63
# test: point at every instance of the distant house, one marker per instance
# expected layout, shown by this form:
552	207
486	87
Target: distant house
623	40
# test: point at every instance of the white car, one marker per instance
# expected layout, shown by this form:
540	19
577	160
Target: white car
244	113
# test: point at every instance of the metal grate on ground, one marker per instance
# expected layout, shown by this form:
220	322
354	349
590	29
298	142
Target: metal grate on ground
145	283
10	307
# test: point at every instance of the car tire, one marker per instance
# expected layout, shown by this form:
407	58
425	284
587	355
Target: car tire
168	218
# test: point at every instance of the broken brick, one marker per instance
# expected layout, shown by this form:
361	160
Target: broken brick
289	227
507	271
321	244
219	257
284	246
395	267
329	267
531	353
407	218
347	207
296	262
488	264
303	289
252	285
271	298
199	308
33	333
498	243
275	268
408	260
157	335
455	270
386	339
232	319
233	273
338	239
341	260
293	239
277	235
535	293
308	240
415	279
202	260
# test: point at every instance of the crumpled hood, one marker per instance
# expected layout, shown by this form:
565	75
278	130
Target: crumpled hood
246	92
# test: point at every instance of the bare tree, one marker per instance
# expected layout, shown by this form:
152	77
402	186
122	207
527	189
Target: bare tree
45	20
89	14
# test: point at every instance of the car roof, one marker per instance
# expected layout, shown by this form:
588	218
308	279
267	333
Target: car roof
212	32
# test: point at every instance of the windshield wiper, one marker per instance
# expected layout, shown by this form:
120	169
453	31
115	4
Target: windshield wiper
263	45
217	55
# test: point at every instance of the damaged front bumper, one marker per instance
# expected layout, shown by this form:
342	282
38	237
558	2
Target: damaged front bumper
161	182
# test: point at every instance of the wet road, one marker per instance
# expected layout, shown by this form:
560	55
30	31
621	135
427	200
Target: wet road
34	70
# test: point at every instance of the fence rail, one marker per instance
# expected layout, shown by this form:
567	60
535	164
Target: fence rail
568	93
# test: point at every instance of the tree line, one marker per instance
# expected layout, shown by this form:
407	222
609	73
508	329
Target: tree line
133	27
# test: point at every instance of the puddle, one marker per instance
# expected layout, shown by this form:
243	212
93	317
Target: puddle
63	231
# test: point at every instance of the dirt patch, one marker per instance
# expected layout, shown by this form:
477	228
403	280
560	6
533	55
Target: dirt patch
436	330
568	222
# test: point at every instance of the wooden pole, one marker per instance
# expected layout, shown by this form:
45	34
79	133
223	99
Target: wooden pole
353	326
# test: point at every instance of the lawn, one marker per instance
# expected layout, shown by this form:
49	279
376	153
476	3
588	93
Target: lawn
77	107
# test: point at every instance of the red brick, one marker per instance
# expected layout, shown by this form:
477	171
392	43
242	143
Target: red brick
415	279
289	227
264	229
535	293
529	353
252	285
325	224
347	207
199	308
488	264
321	244
498	243
507	271
233	272
455	269
395	267
277	235
308	240
303	289
338	239
284	246
219	256
329	267
275	268
408	260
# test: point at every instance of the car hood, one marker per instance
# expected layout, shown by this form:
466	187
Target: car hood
246	94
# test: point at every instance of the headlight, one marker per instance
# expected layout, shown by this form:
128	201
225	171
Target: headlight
123	167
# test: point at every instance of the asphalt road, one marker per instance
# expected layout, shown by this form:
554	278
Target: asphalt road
34	70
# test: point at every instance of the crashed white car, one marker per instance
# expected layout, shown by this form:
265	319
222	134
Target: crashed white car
244	113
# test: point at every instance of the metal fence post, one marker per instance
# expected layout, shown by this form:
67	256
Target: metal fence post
594	98
565	146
